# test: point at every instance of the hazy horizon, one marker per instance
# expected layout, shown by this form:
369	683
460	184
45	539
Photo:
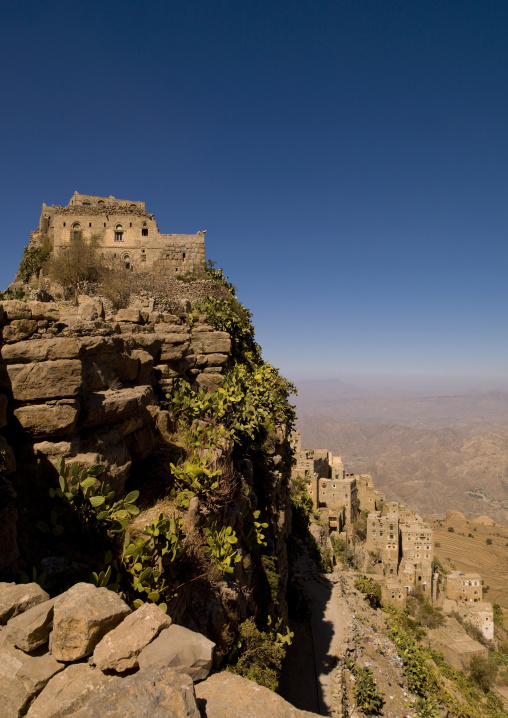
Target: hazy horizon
406	384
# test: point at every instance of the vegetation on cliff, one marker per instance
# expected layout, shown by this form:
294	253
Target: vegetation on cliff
205	519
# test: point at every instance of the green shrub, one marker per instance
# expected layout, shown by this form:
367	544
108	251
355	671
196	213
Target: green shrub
33	260
219	547
498	615
258	654
368	696
229	315
483	672
370	589
18	294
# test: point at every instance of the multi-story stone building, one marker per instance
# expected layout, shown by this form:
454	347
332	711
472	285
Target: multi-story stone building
338	493
369	498
127	235
464	587
417	553
383	539
480	614
404	544
327	483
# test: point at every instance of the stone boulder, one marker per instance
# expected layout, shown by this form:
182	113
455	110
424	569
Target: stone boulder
22	677
31	629
14	309
48	311
19	329
28	351
51	419
155	693
82	616
210	380
181	649
17	598
226	695
128	315
68	691
119	649
109	407
211	342
46	380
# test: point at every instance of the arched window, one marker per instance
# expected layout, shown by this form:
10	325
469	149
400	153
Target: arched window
118	233
143	254
126	258
76	232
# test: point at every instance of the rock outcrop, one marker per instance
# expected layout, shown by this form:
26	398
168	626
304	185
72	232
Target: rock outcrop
85	389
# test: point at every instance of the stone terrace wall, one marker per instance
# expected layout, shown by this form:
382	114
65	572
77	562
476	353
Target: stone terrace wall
75	385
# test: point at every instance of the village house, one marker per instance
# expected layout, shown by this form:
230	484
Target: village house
464	587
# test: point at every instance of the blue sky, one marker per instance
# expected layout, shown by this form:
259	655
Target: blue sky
348	159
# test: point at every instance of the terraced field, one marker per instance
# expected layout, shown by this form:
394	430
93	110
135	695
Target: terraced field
467	550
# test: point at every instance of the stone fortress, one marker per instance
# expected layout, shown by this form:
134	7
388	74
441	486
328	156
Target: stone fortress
400	545
128	236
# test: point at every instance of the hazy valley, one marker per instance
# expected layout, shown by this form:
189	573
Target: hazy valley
432	452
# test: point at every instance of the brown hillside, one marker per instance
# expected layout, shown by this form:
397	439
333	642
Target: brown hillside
429	469
466	549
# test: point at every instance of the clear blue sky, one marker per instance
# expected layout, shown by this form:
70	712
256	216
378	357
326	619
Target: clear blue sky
348	159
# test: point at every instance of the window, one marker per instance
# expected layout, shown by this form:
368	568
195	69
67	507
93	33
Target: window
64	224
130	224
144	232
76	232
104	223
89	224
118	236
183	255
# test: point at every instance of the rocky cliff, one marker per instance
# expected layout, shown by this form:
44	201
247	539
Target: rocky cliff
87	387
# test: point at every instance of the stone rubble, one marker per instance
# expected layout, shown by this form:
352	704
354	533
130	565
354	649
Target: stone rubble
142	666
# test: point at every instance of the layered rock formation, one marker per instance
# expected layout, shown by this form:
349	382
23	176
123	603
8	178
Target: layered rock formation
75	385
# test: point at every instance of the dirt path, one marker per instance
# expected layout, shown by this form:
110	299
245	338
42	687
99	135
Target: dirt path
330	616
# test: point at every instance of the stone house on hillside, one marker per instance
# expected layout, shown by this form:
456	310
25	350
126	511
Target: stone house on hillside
464	587
369	498
327	483
383	540
128	236
404	544
417	553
